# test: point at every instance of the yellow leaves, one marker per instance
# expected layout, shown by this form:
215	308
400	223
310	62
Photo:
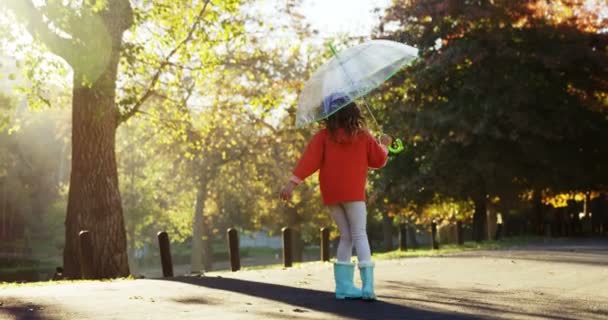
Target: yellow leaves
561	199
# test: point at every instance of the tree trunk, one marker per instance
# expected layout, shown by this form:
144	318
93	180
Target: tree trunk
411	234
207	247
479	218
196	256
537	206
132	258
387	231
293	222
94	202
94	199
491	222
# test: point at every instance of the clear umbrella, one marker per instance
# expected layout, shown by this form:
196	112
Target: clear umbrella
350	75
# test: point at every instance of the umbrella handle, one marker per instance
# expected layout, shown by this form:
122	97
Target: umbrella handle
396	147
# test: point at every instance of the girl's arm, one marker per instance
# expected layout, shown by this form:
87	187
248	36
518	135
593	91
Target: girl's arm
377	153
311	159
308	164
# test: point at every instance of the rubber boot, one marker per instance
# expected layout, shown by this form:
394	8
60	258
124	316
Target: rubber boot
366	269
344	272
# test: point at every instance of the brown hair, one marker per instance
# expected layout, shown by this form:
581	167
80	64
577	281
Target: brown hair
348	118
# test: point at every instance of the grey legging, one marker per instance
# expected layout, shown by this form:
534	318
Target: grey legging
351	218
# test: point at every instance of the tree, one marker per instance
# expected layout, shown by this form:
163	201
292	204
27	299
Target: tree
225	130
90	38
503	100
93	52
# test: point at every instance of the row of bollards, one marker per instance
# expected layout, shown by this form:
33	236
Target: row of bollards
88	270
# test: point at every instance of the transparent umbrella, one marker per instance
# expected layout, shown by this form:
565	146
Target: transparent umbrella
349	75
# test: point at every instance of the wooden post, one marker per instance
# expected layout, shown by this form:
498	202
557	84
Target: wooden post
434	235
403	237
165	254
287	247
233	249
324	244
459	234
87	270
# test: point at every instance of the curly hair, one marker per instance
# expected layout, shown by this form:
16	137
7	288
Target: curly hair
348	118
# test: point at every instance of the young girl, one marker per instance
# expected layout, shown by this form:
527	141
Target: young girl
343	152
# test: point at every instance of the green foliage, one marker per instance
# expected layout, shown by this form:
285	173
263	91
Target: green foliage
501	101
220	122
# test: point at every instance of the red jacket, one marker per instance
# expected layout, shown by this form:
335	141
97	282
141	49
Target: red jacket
342	163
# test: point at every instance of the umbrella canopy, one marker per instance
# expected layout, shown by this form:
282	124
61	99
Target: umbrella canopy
349	75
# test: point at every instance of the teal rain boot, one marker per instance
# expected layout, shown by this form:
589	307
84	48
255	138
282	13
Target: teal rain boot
344	273
366	268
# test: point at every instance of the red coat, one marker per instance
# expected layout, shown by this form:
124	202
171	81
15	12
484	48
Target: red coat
342	164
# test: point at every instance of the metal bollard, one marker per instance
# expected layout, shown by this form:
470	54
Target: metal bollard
434	236
324	244
287	247
87	270
165	254
403	237
233	249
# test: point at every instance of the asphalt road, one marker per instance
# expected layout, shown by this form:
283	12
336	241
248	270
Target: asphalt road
557	280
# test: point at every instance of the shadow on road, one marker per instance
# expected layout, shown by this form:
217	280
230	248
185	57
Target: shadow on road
18	310
501	304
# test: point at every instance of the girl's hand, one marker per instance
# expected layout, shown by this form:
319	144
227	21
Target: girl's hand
386	140
287	191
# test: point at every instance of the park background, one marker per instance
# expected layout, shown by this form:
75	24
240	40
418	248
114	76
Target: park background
182	115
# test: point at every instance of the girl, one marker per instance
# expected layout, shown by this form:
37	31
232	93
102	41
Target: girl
343	152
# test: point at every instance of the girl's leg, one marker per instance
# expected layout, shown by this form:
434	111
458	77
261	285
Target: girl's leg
345	246
344	270
356	214
357	219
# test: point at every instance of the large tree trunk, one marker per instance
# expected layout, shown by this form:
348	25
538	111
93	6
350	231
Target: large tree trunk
94	201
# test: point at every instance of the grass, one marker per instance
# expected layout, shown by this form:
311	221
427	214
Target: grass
454	248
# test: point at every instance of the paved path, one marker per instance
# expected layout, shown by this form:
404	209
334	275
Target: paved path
546	281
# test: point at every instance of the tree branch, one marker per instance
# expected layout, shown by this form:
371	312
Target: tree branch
38	28
125	116
118	17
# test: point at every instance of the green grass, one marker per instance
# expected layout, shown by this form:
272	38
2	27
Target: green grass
454	248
